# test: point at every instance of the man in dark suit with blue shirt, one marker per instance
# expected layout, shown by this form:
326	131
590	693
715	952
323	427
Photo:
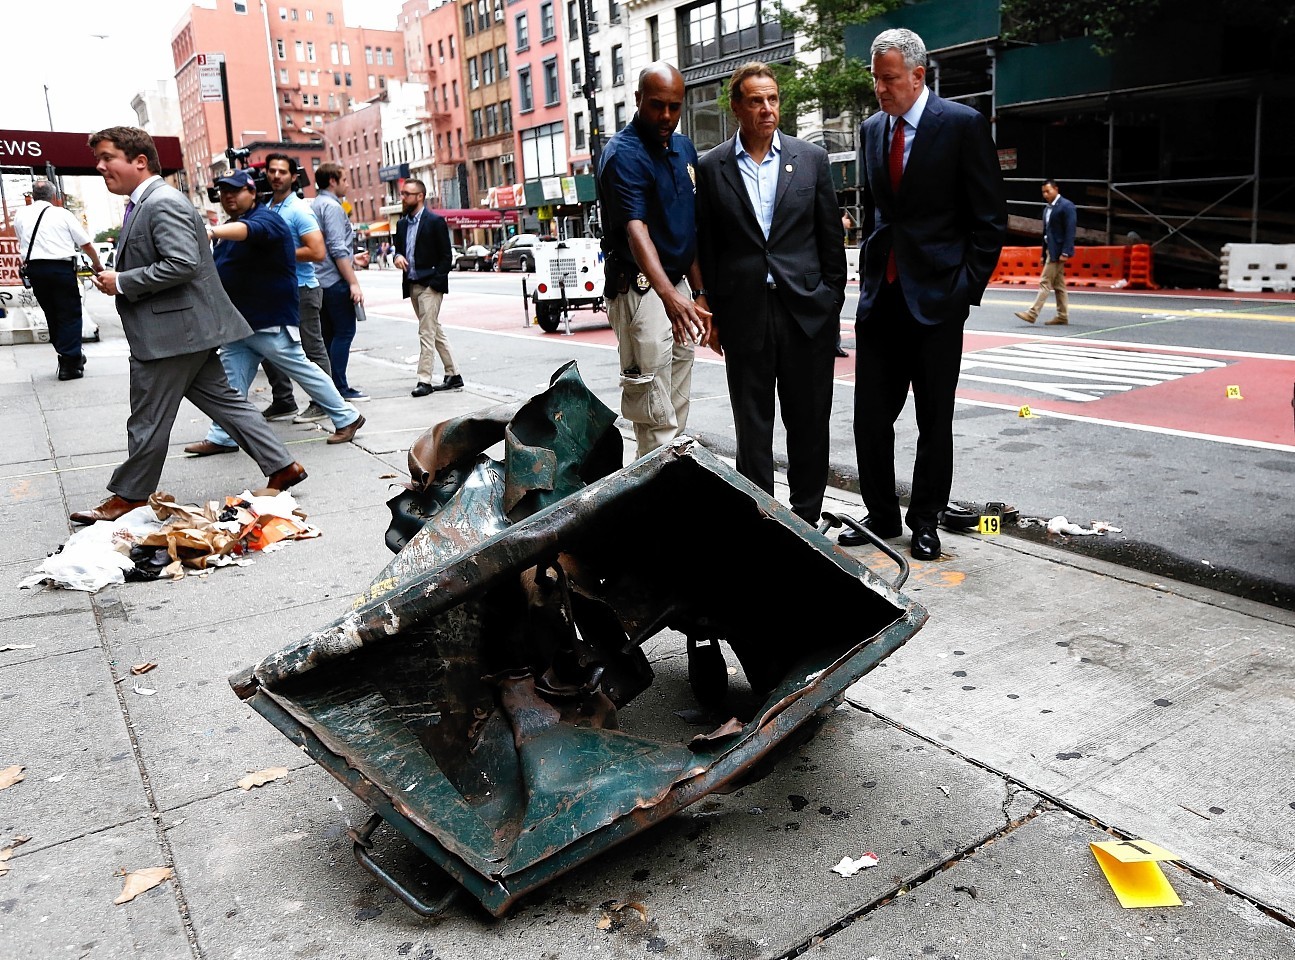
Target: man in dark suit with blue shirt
1058	247
934	221
769	237
424	258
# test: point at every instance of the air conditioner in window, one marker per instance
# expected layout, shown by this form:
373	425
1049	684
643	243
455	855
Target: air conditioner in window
499	14
577	90
505	158
620	78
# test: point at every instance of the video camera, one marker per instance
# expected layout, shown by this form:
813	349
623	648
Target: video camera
238	160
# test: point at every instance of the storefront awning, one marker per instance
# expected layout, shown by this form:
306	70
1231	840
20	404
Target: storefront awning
379	228
468	219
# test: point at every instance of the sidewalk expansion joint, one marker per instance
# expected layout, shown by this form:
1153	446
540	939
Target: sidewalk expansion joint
1065	805
907	887
163	841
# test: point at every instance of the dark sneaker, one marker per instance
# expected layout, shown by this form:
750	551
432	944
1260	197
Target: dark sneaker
280	410
355	395
312	414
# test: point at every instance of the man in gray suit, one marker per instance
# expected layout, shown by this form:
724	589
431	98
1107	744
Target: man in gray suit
772	255
175	314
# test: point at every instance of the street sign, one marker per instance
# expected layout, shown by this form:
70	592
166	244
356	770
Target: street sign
209	85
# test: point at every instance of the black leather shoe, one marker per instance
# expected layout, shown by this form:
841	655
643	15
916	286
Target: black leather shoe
841	352
422	390
853	538
926	544
450	383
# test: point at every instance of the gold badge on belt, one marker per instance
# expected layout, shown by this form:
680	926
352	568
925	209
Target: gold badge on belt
641	283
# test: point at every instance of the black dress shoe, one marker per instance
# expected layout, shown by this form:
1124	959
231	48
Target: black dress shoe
840	352
450	383
926	544
422	390
853	538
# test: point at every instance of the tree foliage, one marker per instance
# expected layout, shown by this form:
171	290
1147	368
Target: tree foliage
837	83
103	236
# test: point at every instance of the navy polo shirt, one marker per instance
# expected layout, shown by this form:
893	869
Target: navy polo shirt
260	273
639	180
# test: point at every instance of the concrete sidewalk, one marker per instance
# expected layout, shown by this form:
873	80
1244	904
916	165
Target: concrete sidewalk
1048	697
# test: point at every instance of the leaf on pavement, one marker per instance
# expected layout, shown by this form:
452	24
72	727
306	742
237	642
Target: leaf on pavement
137	881
261	777
139	668
11	775
4	860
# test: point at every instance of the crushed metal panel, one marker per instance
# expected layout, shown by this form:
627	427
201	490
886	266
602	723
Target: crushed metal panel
473	700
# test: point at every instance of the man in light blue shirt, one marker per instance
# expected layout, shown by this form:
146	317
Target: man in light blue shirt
770	242
336	274
281	173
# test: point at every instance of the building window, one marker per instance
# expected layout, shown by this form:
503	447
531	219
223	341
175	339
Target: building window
474	77
551	94
580	132
577	76
483	15
240	6
332	54
283	13
440	49
454	85
548	29
294	13
280	50
368	54
654	39
620	116
373	82
501	57
300	49
573	20
337	79
283	75
451	46
287	98
506	115
310	16
720	28
391	58
544	151
310	51
618	66
523	33
492	119
596	70
346	54
348	78
613	11
525	95
301	78
488	66
469	22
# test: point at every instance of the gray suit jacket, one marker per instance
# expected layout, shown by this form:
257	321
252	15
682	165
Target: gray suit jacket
805	252
171	301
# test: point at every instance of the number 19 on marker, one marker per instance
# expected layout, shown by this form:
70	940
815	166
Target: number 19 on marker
991	525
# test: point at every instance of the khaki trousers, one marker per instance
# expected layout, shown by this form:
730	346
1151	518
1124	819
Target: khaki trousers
1053	280
431	337
656	372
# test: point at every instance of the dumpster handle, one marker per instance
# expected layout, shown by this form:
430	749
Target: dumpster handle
831	520
361	848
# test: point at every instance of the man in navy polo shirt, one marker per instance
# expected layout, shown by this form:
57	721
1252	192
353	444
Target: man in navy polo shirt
647	180
256	258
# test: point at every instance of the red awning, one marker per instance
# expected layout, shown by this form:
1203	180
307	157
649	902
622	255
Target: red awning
468	219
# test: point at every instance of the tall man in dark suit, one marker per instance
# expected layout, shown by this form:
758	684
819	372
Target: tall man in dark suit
424	259
175	314
934	220
770	242
1058	247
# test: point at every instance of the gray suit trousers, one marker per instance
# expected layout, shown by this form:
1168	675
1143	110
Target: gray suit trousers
156	389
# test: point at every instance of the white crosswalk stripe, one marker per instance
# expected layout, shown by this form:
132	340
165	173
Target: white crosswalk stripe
1075	371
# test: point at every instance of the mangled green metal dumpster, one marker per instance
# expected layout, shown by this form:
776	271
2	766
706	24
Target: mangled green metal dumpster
474	698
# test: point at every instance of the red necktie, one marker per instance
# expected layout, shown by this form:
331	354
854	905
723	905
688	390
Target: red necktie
896	174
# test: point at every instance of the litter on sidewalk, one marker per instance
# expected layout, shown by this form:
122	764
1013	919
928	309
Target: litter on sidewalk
1132	867
165	539
474	696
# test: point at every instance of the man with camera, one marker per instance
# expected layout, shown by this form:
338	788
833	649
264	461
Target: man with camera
256	259
48	238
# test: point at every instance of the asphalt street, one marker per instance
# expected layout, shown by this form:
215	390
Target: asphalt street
1133	423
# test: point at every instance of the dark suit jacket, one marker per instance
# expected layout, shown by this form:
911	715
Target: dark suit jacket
805	252
1059	235
948	220
433	256
171	301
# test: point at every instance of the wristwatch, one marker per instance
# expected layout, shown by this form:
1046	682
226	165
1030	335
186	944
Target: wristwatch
699	293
